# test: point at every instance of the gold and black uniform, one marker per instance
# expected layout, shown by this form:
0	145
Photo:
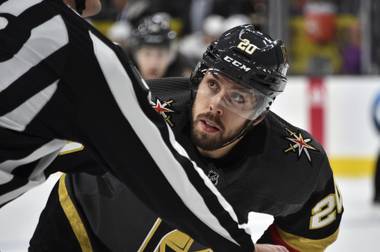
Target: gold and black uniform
276	169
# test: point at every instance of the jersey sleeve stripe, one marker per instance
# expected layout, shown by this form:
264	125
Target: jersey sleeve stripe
11	188
35	50
21	184
150	234
21	116
71	147
296	243
5	177
50	147
4	198
73	216
16	7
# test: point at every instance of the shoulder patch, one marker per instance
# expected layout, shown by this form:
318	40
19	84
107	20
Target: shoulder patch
299	144
163	108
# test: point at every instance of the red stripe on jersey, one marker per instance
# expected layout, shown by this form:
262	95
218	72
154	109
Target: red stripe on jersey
277	240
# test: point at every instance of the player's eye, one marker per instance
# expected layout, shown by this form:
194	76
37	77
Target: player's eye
237	98
212	85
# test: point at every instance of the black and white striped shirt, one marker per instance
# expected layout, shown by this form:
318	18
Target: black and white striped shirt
60	79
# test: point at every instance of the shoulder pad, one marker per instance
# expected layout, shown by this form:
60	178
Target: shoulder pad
295	140
170	97
171	88
293	159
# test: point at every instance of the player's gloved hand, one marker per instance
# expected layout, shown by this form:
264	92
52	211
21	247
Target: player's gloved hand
270	248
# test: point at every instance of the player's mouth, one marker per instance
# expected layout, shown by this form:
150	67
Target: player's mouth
209	126
153	73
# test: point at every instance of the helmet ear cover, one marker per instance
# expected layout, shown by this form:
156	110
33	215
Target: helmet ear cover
80	5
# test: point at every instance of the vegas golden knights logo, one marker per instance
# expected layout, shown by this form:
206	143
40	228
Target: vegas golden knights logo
163	109
177	241
163	238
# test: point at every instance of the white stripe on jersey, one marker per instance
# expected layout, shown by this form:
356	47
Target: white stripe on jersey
20	190
16	7
36	178
207	181
35	50
46	149
49	152
3	23
121	87
5	177
21	116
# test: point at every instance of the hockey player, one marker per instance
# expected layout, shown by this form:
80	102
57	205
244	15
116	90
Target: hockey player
60	80
257	160
153	47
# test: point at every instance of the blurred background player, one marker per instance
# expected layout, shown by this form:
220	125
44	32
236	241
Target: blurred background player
128	15
194	44
153	47
151	43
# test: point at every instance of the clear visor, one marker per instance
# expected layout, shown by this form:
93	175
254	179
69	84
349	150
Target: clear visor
222	93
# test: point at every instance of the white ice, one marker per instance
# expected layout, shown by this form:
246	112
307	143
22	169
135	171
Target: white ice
359	231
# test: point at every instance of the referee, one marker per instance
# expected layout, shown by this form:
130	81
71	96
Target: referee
60	80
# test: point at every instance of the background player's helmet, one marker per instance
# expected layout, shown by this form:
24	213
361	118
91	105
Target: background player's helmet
250	58
153	30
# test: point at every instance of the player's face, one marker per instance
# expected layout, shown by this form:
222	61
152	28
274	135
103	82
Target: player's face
220	111
153	61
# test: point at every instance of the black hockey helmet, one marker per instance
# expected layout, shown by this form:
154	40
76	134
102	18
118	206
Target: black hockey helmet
153	30
250	58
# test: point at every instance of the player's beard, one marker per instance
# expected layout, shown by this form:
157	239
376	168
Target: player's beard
208	141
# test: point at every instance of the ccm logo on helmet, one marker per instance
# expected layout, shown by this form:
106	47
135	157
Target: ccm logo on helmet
236	63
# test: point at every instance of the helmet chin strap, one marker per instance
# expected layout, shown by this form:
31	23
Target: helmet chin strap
245	129
80	5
